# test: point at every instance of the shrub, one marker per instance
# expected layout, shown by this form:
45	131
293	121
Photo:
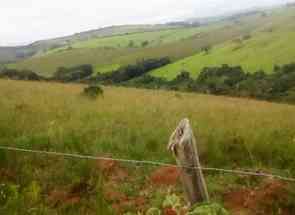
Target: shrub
247	37
145	43
208	209
129	72
73	74
20	75
206	49
93	91
131	44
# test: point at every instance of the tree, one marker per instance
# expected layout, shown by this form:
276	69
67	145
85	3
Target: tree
131	44
20	75
2	67
73	74
183	76
206	49
145	43
93	91
247	37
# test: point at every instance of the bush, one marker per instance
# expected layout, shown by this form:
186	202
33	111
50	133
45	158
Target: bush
93	91
129	72
206	49
20	75
2	67
220	80
247	37
145	43
77	73
208	209
131	44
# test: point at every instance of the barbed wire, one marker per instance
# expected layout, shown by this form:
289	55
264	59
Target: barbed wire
152	163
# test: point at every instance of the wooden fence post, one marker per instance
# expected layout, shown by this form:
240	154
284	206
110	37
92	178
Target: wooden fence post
184	147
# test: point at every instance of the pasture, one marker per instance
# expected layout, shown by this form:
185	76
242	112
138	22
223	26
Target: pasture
261	52
131	124
268	45
152	38
181	43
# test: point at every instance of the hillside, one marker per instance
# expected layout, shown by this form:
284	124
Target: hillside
269	45
107	54
134	40
11	54
176	44
191	117
236	40
136	124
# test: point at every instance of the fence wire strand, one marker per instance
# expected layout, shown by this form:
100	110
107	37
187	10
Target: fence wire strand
151	163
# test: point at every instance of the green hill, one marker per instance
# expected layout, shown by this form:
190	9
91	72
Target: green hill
260	53
13	54
270	31
143	39
271	45
102	56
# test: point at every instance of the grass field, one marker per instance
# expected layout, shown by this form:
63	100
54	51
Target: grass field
108	57
123	41
268	45
131	124
177	45
261	52
271	40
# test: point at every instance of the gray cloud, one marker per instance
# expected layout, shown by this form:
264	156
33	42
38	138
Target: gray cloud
30	20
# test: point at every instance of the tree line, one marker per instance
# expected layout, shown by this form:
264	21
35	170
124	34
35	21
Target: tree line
231	81
85	73
223	80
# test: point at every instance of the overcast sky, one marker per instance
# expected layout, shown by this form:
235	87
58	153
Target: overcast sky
25	21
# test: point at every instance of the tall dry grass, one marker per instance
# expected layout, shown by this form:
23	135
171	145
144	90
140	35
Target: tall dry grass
133	124
136	124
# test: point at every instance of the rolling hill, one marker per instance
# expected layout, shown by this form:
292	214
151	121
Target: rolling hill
116	51
83	143
267	46
236	40
12	54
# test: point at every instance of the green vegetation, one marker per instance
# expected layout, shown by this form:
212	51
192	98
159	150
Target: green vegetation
261	52
268	44
132	124
73	74
12	54
244	56
93	91
102	57
107	68
129	72
234	41
138	39
224	80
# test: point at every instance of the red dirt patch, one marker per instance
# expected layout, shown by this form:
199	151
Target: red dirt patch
68	195
112	170
106	165
57	197
114	196
7	174
114	176
165	176
169	211
265	199
138	204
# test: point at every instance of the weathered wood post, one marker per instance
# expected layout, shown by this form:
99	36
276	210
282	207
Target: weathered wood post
184	147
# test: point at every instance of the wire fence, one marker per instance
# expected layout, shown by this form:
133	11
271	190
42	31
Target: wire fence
152	163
